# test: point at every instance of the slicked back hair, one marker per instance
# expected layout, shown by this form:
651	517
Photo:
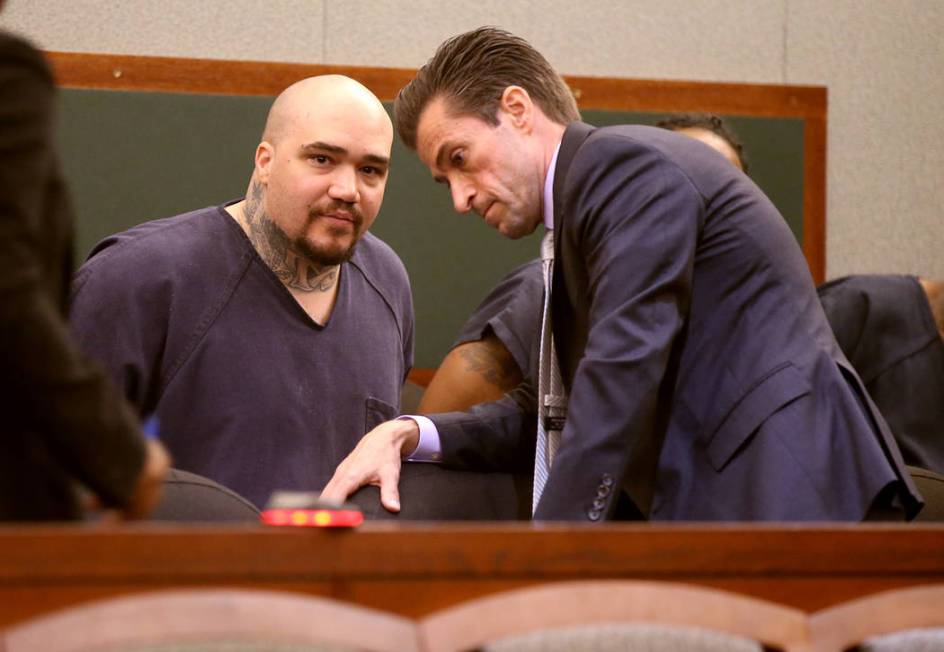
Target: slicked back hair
472	70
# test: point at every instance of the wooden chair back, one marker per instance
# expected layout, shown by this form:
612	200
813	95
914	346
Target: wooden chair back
200	619
487	620
853	623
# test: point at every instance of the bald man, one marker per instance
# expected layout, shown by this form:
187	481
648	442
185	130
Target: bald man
267	334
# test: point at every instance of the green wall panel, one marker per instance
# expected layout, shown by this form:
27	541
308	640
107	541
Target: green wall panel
135	156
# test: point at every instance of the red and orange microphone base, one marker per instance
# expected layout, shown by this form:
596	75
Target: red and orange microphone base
305	509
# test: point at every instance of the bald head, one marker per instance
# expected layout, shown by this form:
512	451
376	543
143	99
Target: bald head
320	170
324	97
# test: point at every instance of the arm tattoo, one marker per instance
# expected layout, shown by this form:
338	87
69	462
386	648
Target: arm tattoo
275	249
489	358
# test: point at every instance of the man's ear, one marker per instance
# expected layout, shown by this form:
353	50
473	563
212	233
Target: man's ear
264	155
517	106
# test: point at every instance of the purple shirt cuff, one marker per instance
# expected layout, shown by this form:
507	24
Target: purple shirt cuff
428	449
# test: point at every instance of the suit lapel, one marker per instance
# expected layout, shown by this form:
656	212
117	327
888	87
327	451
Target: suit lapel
576	133
569	336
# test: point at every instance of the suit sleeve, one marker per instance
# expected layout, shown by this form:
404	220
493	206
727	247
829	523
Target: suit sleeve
494	436
55	389
630	228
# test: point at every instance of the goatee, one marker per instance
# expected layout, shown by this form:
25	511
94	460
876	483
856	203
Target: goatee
323	256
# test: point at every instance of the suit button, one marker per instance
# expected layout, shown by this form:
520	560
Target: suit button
594	514
603	491
599	503
606	480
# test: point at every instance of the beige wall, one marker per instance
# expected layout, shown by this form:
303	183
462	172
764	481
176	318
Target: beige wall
883	61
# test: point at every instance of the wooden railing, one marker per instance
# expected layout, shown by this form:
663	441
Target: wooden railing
415	569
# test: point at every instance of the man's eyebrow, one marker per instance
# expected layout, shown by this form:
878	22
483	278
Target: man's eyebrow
377	158
441	160
319	146
326	147
441	153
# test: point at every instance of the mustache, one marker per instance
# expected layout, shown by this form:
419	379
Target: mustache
338	207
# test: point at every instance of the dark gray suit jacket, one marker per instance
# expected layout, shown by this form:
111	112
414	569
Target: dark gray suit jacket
885	326
704	379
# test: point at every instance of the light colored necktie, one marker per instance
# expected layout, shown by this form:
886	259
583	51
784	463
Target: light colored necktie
552	401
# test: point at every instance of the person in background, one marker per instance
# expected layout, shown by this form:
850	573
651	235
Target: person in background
68	433
711	130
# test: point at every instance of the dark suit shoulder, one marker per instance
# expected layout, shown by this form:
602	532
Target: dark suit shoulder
705	169
639	152
878	319
620	171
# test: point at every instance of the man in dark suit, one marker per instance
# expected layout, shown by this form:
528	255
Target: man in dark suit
64	425
703	380
499	344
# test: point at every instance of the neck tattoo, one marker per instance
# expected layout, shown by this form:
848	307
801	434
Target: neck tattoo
275	249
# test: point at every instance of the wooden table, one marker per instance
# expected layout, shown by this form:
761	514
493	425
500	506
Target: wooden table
415	569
